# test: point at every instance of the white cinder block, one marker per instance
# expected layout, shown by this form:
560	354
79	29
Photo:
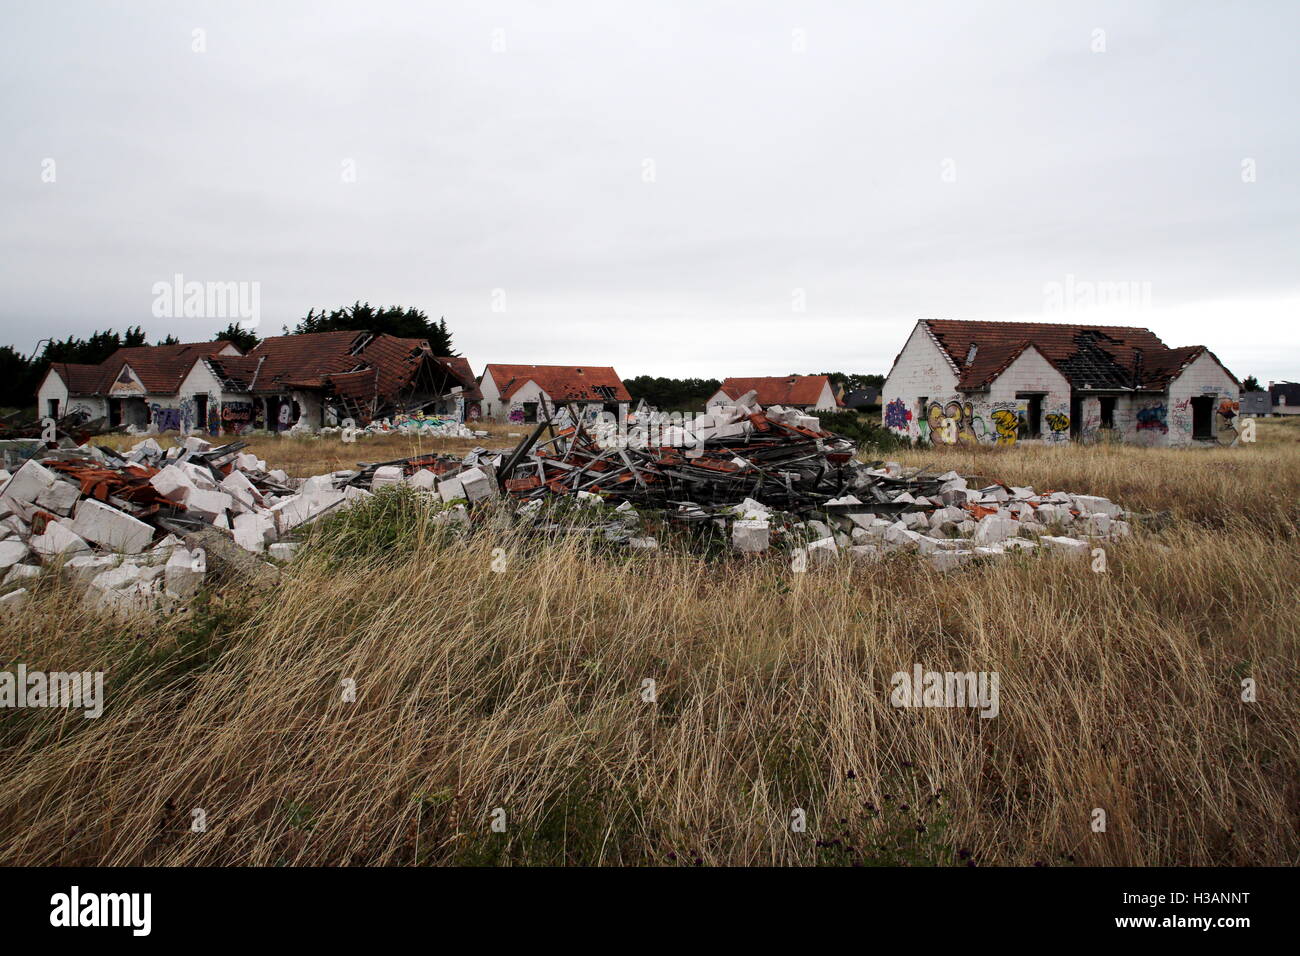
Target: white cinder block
750	536
59	497
386	477
11	552
994	528
424	480
27	483
58	539
948	560
1072	546
1091	505
284	550
211	504
22	572
182	577
110	528
172	482
477	484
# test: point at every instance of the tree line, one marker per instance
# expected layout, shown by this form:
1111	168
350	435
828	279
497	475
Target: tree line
20	375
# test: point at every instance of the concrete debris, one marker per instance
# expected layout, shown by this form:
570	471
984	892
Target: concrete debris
773	479
145	529
112	522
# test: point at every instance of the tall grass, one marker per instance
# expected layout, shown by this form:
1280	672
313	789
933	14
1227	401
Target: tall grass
492	673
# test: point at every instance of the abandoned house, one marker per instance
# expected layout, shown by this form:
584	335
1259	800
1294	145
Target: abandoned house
804	392
128	387
1255	404
1284	398
312	380
1004	382
515	392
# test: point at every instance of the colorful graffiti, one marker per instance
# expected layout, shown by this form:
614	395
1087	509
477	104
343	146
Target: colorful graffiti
237	417
1226	419
897	415
1005	423
1153	418
1058	422
164	419
516	414
951	424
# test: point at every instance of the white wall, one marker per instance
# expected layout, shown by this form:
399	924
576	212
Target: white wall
921	370
826	401
52	389
1205	377
491	404
1030	372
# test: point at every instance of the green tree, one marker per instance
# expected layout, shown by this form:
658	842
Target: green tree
1251	384
672	394
19	378
407	323
237	335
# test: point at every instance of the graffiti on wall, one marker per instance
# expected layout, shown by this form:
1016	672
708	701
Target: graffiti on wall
1005	425
1225	417
1179	417
516	414
897	415
1152	418
237	417
1058	422
951	424
165	419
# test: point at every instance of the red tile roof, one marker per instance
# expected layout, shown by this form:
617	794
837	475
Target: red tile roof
563	383
458	365
779	390
160	368
79	379
1089	356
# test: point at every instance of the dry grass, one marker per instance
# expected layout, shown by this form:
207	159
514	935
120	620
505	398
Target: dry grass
522	690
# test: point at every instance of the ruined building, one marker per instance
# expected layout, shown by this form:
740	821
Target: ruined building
1005	382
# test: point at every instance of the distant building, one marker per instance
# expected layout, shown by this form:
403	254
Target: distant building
515	392
862	398
808	392
1255	404
1284	398
128	386
1003	382
311	380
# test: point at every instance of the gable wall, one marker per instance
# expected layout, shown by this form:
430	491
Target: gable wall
922	370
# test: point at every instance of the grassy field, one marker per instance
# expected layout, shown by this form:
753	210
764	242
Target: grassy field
503	679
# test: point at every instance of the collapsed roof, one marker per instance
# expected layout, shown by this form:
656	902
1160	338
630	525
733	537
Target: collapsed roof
1098	357
367	372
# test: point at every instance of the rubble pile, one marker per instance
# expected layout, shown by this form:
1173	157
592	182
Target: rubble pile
142	529
766	479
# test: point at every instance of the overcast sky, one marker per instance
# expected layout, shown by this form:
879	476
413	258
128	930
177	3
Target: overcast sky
673	189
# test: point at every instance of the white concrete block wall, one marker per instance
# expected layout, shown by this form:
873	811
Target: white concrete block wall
1030	372
55	389
1203	377
921	370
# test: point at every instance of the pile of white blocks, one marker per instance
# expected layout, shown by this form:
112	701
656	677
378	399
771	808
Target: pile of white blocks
947	530
47	525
